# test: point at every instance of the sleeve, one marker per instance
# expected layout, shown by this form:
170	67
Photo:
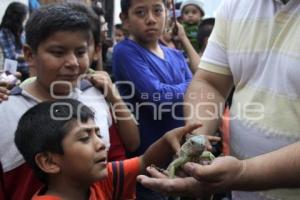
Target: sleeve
130	64
215	58
124	178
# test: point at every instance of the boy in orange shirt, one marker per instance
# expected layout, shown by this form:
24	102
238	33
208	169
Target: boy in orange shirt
61	142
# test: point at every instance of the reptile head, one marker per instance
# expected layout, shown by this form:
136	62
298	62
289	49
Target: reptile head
196	144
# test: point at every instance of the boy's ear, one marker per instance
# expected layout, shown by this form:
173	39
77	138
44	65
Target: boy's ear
28	54
124	19
98	52
47	162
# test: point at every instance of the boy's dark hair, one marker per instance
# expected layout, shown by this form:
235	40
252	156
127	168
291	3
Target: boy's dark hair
13	19
43	127
204	30
125	5
119	26
53	18
92	15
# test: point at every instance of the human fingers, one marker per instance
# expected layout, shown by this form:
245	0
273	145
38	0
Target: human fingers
157	173
221	170
168	186
18	74
175	135
4	94
211	139
200	172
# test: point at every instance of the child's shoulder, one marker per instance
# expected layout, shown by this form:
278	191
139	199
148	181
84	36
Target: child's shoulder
124	45
132	164
40	195
172	52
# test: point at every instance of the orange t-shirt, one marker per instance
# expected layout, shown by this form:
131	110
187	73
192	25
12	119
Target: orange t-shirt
119	184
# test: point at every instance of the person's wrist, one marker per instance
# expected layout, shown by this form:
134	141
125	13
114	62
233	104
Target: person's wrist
240	175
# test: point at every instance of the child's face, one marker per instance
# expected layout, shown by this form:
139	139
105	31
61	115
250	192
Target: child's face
191	14
145	20
85	155
119	35
61	57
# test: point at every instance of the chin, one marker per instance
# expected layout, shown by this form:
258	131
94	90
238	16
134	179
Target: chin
102	174
62	89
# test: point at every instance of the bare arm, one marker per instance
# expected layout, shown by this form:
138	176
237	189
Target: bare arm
273	170
193	56
126	123
204	100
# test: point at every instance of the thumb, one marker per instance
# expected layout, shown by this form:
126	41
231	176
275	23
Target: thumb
179	133
200	172
188	128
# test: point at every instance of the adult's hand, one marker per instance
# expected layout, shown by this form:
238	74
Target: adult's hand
180	186
220	175
202	180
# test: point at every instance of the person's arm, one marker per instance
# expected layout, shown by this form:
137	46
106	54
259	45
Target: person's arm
194	58
126	123
277	169
204	100
160	153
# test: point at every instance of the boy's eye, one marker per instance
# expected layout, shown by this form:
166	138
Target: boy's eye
57	53
84	139
98	133
158	11
140	13
81	53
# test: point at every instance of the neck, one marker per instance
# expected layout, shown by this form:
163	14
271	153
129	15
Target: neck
67	190
38	91
43	93
151	46
167	42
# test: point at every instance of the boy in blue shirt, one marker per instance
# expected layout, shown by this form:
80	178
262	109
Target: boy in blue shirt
156	76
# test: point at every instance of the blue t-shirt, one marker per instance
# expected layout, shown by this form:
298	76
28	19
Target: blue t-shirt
153	88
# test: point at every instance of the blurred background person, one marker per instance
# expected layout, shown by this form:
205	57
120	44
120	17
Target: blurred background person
11	38
192	14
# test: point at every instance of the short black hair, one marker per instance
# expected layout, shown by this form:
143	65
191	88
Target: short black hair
93	17
125	5
43	127
54	18
204	30
119	26
13	19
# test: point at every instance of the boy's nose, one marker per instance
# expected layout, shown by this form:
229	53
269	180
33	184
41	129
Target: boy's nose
151	18
99	143
71	60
